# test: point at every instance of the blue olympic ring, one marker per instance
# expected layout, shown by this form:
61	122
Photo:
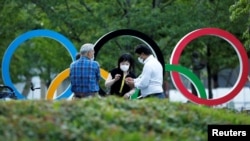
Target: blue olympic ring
30	34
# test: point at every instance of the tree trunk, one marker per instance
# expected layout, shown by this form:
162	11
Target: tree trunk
43	89
209	75
27	86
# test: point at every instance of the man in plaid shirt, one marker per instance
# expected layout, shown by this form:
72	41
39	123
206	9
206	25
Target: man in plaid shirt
85	73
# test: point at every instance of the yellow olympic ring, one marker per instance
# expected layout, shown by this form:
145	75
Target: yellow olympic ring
61	77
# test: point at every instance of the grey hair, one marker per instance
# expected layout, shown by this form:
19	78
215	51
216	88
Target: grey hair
85	48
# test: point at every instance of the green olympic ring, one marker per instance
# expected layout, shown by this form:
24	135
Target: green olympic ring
191	76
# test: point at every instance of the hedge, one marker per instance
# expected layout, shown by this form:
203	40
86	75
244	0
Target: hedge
110	119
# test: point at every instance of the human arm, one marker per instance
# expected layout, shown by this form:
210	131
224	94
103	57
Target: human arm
128	94
110	81
143	80
98	72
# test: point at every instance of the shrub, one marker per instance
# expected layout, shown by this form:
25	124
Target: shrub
110	119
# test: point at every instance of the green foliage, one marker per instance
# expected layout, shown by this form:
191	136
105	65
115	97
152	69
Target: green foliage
240	13
166	22
110	119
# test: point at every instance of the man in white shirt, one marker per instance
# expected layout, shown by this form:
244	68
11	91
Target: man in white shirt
150	81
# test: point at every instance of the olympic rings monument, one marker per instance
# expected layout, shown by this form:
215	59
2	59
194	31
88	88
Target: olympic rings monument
173	67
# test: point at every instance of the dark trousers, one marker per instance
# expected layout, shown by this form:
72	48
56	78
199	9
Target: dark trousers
84	95
156	95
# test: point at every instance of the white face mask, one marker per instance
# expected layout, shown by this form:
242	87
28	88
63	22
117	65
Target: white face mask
140	60
124	68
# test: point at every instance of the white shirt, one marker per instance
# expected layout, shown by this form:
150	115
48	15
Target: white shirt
151	79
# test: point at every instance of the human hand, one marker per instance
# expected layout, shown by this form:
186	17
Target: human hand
130	81
126	96
117	77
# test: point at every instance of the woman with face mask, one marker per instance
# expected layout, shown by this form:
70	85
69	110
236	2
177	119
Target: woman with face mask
116	78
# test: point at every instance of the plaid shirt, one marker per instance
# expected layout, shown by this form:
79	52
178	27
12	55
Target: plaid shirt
84	76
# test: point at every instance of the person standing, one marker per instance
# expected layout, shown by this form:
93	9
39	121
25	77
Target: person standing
85	73
116	78
150	81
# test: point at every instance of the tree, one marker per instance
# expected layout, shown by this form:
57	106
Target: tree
240	12
165	21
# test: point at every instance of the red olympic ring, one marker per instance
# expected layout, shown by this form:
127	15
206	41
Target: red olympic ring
236	44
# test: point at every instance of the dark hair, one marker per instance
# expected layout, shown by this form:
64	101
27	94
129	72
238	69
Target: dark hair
142	48
126	57
78	56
